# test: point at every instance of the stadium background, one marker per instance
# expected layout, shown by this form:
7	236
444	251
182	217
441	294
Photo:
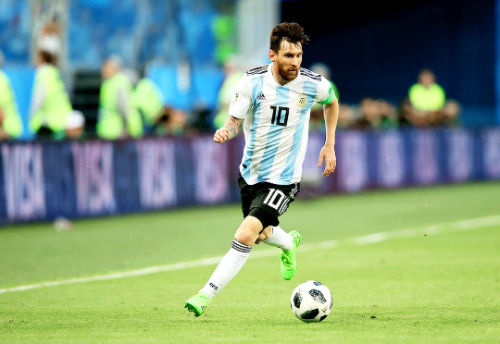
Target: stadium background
374	51
405	232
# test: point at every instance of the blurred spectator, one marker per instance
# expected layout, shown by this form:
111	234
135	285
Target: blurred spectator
388	114
50	104
158	119
317	121
118	118
49	38
75	126
233	75
376	114
10	121
426	102
348	116
173	122
451	113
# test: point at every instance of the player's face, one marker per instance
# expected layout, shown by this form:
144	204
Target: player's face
288	60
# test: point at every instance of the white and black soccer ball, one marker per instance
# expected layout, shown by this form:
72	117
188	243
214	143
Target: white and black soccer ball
311	301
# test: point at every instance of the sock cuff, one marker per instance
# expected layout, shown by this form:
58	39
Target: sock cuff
240	247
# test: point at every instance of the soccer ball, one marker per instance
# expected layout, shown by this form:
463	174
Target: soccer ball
311	301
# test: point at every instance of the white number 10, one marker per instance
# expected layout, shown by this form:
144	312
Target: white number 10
274	198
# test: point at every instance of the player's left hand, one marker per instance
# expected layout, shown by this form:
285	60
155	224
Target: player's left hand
327	154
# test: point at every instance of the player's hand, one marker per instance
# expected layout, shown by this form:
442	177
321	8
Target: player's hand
327	154
221	135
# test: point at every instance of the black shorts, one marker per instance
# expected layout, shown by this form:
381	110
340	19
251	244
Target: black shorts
266	201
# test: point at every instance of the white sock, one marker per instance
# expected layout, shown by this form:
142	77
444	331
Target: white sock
228	267
280	238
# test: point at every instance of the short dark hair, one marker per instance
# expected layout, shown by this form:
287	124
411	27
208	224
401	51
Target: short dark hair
291	32
47	57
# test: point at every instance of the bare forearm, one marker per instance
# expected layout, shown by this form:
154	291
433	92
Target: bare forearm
229	130
327	153
233	126
331	113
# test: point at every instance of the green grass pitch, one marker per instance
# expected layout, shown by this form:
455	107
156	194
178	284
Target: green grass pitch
418	265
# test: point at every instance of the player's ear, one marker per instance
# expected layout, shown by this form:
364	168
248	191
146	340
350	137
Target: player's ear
272	55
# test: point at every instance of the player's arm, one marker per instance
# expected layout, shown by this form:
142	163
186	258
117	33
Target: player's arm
327	153
229	130
238	109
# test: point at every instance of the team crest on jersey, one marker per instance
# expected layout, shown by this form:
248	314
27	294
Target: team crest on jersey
236	97
301	100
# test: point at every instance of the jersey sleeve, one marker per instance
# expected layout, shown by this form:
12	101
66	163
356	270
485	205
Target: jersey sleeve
242	98
325	92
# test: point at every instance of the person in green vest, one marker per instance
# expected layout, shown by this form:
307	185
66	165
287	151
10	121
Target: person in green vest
50	102
118	117
148	100
426	94
427	103
11	126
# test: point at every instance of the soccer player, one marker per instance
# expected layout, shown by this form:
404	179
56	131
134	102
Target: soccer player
279	96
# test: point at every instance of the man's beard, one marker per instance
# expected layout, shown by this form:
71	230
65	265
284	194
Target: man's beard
287	75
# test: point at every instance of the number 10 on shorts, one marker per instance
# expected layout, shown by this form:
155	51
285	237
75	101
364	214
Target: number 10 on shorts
274	199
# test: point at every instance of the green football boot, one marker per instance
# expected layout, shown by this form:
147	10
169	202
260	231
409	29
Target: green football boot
288	262
198	303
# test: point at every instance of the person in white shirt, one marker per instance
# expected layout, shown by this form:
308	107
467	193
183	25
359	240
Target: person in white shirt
273	102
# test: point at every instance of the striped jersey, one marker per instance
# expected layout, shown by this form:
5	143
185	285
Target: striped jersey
276	122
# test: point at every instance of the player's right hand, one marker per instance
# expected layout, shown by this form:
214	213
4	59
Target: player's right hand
221	135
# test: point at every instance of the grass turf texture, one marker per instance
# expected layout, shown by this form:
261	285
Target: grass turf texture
435	288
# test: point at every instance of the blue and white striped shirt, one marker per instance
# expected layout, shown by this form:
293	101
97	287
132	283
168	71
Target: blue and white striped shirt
276	127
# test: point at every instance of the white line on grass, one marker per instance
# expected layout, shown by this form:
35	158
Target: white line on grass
374	238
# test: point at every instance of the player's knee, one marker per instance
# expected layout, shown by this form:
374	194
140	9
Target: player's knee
245	237
249	230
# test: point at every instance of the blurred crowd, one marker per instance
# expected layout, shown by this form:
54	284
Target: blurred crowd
425	104
62	38
132	106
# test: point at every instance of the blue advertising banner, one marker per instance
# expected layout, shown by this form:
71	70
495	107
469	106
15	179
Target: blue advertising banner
43	180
